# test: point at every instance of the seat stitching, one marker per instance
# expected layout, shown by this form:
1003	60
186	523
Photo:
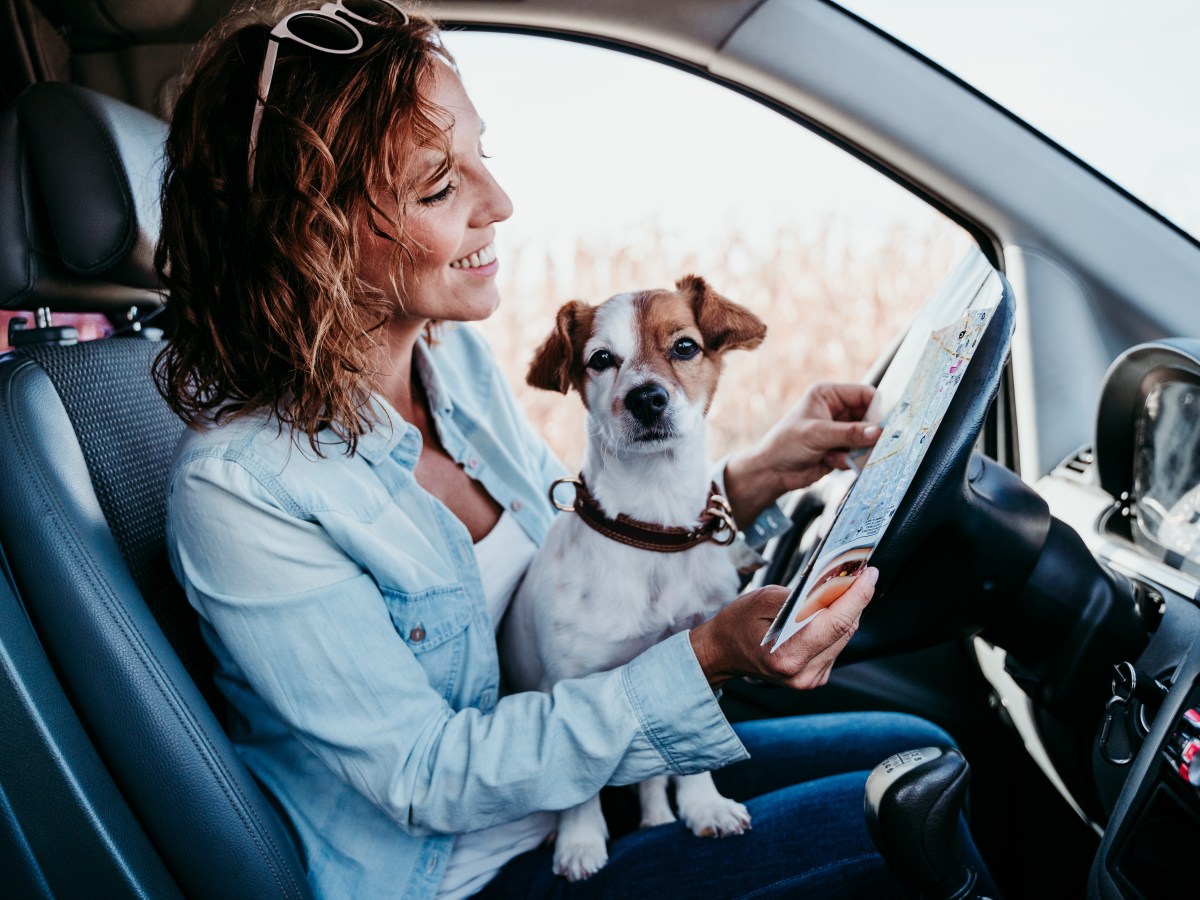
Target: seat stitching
136	641
249	807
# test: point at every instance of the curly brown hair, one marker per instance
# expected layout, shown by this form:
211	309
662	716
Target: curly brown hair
268	312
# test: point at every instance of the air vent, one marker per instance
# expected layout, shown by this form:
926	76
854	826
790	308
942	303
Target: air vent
1079	466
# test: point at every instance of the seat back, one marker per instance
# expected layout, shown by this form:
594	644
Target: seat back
87	449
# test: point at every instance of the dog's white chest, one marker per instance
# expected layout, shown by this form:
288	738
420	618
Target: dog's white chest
589	603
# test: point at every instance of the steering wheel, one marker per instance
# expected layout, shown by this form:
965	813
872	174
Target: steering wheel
966	534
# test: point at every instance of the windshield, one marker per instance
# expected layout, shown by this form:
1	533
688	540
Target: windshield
1112	82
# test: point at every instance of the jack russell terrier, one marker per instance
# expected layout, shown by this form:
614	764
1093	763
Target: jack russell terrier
643	557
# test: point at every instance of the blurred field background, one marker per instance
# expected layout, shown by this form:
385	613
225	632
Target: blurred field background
626	175
831	299
831	306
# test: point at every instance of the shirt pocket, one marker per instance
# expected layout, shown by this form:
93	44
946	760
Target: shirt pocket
433	623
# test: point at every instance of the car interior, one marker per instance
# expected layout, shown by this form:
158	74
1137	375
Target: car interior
1041	599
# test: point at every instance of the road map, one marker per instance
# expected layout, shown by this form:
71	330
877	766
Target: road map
909	405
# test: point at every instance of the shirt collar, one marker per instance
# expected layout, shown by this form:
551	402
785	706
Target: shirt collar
386	432
435	389
390	427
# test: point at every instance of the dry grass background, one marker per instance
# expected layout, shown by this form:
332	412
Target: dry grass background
831	306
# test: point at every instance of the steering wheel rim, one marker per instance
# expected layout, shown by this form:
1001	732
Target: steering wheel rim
932	575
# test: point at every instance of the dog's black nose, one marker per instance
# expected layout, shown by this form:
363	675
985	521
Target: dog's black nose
647	401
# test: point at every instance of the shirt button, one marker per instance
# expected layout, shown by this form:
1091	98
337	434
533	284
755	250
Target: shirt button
516	505
472	463
417	634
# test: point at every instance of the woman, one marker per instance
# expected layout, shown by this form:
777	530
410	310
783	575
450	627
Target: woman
348	460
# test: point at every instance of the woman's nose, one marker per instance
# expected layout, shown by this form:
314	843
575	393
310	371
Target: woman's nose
496	205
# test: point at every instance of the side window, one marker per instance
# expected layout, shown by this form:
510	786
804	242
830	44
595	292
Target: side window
626	174
89	325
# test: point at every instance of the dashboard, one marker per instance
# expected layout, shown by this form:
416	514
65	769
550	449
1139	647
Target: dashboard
1134	499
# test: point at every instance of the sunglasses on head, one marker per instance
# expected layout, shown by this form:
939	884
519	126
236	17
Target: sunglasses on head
331	29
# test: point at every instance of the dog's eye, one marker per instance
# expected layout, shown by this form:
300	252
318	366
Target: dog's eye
601	360
685	348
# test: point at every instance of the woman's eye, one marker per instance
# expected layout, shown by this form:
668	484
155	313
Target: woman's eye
443	194
601	360
685	348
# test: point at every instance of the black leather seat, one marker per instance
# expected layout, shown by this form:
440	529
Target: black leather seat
87	443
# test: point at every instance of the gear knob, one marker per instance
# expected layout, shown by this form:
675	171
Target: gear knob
913	803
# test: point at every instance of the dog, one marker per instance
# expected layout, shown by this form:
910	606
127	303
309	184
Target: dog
646	365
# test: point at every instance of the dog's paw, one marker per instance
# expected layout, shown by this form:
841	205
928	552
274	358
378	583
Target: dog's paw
580	858
716	816
653	817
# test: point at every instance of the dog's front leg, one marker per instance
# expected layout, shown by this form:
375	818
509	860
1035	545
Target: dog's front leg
581	849
705	811
656	808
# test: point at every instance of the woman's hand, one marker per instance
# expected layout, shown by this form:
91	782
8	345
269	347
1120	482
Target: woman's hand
811	440
727	645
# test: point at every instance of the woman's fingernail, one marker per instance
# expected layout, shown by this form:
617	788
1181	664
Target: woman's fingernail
871	432
870	575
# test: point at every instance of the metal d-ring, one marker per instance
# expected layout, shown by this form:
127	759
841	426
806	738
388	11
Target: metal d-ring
566	479
727	528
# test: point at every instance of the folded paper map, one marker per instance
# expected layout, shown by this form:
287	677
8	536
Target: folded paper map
909	405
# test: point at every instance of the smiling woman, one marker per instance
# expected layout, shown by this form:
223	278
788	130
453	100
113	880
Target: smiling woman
334	509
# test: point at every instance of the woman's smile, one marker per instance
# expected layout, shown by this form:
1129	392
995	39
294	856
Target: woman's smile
480	262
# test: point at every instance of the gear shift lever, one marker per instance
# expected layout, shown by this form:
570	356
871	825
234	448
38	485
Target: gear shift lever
912	804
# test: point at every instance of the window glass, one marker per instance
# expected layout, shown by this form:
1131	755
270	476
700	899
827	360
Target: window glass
627	174
1113	82
89	325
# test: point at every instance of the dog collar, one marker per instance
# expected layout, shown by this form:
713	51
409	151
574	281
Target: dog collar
716	523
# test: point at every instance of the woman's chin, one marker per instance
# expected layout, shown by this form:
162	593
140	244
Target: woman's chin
458	308
483	307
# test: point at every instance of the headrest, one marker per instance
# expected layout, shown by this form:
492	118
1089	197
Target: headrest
80	180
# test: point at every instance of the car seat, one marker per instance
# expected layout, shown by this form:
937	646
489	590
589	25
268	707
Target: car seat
163	804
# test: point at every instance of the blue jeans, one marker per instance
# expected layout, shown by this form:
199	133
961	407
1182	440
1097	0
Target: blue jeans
804	788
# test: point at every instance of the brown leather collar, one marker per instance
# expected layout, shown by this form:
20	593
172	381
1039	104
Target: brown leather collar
716	523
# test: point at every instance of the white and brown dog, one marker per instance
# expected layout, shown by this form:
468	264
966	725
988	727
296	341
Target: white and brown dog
601	590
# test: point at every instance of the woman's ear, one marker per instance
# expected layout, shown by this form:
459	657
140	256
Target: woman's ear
556	364
724	324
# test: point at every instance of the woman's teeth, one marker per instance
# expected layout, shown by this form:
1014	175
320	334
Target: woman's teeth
476	259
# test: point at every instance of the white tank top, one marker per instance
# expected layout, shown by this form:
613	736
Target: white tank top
503	554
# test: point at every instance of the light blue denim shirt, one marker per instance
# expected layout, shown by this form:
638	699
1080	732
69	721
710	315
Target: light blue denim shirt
344	606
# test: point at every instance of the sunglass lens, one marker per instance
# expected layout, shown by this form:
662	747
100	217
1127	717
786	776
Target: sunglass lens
323	33
377	11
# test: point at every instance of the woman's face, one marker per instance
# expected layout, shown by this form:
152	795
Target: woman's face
449	224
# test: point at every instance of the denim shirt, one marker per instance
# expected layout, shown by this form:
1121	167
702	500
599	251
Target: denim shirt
344	607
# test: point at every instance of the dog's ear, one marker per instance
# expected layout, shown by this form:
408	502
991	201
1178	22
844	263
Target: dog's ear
724	324
556	364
